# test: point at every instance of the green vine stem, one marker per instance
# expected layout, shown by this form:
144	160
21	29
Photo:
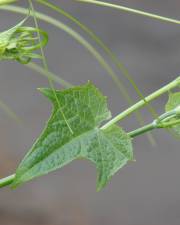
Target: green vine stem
150	127
141	103
142	130
6	181
163	121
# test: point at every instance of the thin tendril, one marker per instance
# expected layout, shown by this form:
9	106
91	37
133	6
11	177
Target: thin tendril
47	69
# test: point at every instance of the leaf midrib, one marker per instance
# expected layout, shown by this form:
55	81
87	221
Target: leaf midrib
96	130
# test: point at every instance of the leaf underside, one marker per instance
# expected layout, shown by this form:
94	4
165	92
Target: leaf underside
173	102
85	108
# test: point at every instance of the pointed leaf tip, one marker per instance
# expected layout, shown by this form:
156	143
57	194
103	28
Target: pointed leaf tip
47	92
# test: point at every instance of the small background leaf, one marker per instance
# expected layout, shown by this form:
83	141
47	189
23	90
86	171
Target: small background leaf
173	102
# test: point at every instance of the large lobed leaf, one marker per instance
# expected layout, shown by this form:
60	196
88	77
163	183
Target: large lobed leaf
84	109
173	102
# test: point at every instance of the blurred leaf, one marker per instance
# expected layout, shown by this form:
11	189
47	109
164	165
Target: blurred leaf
173	102
9	111
85	109
4	2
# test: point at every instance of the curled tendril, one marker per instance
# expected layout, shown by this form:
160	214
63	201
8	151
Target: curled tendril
169	119
20	43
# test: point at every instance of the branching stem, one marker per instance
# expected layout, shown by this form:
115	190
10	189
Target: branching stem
141	103
158	123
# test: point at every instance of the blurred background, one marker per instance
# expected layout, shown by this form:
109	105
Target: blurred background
145	192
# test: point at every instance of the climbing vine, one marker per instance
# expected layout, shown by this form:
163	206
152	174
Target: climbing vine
80	124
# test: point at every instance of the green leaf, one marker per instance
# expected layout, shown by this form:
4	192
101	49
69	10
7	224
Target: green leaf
6	36
173	102
85	108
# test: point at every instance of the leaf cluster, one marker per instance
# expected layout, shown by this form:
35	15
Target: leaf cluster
19	43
